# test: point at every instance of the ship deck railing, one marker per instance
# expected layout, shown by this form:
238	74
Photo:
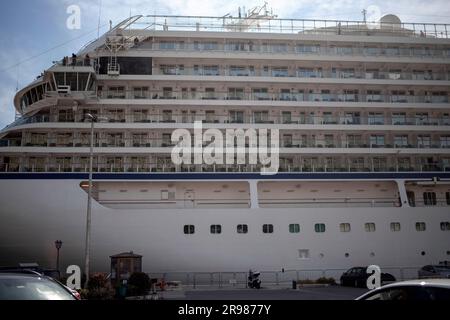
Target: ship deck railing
292	118
292	26
441	97
154	168
301	50
331	143
380	75
266	96
276	278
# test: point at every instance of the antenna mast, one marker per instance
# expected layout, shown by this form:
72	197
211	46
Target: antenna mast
99	18
364	12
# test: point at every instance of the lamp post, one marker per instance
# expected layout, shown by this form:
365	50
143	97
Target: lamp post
87	252
58	245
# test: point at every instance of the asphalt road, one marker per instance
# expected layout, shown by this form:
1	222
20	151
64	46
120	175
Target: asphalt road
327	293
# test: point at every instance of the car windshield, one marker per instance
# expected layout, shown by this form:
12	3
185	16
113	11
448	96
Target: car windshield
442	269
31	288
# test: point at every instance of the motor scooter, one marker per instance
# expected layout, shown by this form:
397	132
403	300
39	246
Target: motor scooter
253	280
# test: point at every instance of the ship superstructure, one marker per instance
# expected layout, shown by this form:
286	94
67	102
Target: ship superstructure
363	115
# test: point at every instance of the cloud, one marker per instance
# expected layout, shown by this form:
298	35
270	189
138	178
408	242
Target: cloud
436	11
12	77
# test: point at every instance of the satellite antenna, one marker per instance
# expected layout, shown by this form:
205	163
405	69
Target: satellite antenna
254	17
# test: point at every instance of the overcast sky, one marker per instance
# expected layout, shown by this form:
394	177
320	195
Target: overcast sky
35	31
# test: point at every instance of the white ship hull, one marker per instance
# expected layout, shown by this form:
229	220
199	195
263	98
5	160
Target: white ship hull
35	213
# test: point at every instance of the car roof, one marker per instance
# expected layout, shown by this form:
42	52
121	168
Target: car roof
20	275
439	266
427	283
441	283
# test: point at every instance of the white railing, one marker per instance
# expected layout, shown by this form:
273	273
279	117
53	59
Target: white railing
293	26
281	279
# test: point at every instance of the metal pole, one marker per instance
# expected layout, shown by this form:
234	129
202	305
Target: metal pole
57	259
89	207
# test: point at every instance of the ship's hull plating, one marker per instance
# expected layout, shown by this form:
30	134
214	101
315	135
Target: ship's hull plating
35	213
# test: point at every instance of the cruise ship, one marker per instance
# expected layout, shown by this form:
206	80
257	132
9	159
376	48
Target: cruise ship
362	113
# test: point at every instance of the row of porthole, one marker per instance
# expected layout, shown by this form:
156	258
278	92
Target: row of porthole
372	254
319	228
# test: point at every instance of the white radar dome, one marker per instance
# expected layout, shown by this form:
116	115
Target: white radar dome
390	21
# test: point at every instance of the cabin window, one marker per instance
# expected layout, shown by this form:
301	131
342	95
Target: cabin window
395	226
320	228
370	227
189	229
129	65
429	198
167	45
303	254
445	226
294	228
242	229
216	229
345	227
421	226
268	228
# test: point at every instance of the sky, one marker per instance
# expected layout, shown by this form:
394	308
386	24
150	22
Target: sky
33	34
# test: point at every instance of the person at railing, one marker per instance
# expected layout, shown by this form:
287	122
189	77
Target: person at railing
74	59
65	61
87	60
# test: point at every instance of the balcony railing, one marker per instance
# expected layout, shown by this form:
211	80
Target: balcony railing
324	74
329	202
168	168
290	26
260	96
76	62
303	50
292	144
244	118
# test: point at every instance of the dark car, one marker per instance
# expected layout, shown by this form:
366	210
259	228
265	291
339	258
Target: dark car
434	271
413	290
31	285
357	277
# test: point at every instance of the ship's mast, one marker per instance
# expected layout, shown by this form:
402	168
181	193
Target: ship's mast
364	12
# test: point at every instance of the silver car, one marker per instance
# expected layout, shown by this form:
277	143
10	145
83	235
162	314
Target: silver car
434	271
32	286
413	290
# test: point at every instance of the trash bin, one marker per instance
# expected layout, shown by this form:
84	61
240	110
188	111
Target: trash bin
294	285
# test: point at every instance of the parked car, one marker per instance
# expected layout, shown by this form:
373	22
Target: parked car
357	277
31	285
52	273
434	271
413	290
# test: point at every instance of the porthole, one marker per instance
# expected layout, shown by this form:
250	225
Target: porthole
321	256
242	229
347	255
372	254
189	229
268	228
423	253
